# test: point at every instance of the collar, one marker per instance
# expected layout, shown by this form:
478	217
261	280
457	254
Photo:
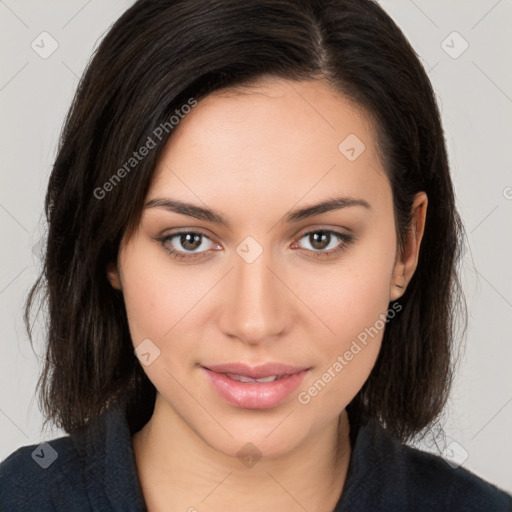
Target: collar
110	471
376	475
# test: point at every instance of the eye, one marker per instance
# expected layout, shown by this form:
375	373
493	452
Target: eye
326	242
193	244
185	244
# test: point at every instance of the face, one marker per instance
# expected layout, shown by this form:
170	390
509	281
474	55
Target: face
267	286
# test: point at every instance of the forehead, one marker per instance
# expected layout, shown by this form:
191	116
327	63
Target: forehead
273	143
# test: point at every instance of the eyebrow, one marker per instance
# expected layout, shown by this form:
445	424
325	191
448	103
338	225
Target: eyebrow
209	215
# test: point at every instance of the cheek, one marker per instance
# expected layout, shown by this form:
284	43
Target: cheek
351	295
152	297
162	302
349	352
148	307
353	303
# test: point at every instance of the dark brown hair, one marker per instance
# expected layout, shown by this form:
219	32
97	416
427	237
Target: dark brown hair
157	56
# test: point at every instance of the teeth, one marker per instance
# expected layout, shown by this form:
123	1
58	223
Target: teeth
243	378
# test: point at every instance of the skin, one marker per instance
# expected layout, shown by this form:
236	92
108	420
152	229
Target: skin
252	155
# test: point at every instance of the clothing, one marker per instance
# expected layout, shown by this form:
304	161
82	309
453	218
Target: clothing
95	471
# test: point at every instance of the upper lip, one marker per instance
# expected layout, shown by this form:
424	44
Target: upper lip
256	372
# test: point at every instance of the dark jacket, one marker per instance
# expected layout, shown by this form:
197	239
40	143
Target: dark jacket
94	470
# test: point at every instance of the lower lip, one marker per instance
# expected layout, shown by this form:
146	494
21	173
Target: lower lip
254	395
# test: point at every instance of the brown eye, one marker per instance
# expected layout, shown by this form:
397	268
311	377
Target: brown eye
190	241
185	244
324	242
320	239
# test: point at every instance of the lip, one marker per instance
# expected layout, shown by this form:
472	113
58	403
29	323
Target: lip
254	395
256	372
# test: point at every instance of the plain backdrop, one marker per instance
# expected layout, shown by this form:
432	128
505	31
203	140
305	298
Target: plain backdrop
465	47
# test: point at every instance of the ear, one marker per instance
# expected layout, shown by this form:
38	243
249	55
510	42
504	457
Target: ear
407	260
113	276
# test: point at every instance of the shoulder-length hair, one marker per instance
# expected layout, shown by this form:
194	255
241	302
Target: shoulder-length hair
154	59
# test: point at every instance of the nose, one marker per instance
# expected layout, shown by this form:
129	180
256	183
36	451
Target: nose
258	306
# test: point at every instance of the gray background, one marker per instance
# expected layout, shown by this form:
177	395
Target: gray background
474	91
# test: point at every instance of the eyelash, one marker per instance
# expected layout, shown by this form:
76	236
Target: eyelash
344	239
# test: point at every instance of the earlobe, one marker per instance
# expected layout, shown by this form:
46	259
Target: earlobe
407	261
397	289
113	276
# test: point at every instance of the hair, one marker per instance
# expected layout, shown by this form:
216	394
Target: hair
155	57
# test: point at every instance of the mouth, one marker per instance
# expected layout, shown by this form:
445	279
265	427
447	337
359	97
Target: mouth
254	387
261	371
243	378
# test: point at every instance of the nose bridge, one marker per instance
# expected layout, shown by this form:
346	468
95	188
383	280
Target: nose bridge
257	304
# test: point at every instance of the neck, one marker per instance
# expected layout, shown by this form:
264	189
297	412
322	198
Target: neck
179	471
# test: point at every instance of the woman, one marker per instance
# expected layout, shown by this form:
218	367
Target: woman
250	270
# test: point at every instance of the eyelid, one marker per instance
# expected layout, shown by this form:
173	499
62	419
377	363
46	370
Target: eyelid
181	231
183	255
344	239
339	230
